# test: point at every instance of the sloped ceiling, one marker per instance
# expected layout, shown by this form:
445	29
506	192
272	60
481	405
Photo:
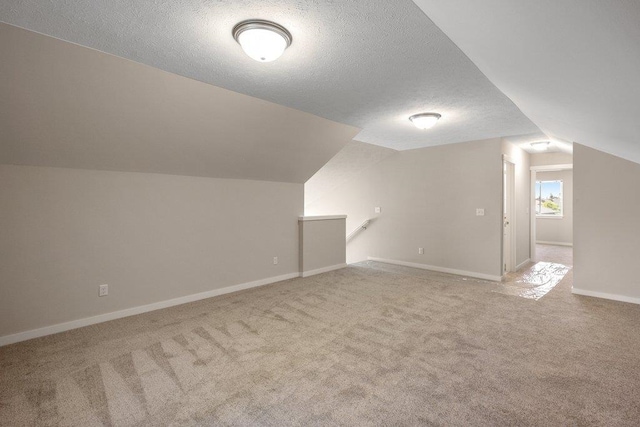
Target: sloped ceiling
366	63
64	105
572	66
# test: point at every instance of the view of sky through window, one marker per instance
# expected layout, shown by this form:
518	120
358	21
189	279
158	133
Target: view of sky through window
549	198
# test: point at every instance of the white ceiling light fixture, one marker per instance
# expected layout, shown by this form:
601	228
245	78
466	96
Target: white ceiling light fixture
540	146
264	41
425	120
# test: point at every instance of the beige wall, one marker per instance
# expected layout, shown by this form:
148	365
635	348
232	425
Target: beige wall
63	232
355	198
606	225
428	199
322	244
544	159
557	230
522	161
344	167
65	105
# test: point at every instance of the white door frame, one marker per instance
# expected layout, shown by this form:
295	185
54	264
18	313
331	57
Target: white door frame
510	264
532	205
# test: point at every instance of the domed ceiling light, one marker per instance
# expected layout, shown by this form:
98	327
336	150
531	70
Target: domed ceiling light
425	120
540	146
263	41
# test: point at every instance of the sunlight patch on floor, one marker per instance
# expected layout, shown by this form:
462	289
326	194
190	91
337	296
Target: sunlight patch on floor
535	282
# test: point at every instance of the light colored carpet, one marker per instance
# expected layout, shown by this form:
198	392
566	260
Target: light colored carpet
552	253
372	344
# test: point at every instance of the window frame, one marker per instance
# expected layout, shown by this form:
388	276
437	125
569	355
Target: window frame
549	216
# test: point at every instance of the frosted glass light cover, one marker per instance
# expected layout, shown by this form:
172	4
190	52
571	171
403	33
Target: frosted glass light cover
424	120
540	146
261	44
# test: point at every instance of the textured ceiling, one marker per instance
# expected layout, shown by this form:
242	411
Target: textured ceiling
366	63
555	145
572	66
68	106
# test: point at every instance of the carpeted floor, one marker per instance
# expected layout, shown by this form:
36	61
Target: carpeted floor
371	344
553	253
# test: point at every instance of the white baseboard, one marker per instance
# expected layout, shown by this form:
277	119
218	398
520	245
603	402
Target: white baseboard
613	297
439	269
522	264
322	270
61	327
542	242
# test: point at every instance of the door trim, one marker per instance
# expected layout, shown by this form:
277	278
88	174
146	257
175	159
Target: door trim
512	220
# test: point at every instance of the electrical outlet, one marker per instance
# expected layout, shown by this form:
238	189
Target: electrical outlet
479	212
103	291
377	209
275	260
420	251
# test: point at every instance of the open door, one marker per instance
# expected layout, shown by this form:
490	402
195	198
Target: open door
508	217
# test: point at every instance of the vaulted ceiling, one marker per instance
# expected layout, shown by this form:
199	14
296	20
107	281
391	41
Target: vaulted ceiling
65	105
364	63
569	66
572	66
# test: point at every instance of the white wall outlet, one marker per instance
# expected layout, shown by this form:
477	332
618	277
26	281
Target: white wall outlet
479	212
275	260
103	290
377	209
420	251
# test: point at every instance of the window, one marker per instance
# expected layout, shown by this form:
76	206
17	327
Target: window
549	199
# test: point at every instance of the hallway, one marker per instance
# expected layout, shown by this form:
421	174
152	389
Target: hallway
552	253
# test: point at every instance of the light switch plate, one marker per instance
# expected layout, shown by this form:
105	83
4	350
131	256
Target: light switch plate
480	212
377	209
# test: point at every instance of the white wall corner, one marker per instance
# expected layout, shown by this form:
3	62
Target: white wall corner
522	264
322	270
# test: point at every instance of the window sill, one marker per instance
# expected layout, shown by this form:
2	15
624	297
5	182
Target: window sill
550	217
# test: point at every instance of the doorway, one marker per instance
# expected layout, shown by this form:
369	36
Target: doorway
551	211
508	216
